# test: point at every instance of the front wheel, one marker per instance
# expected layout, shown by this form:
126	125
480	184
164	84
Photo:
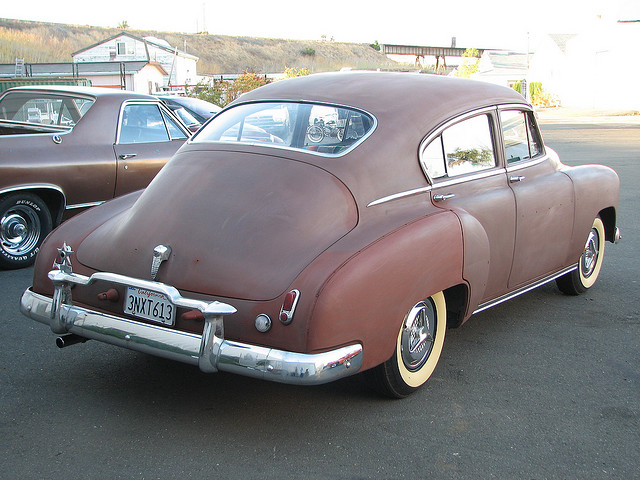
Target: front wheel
418	349
581	279
24	222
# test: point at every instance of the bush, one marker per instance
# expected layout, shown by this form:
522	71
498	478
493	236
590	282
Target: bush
517	87
308	51
224	92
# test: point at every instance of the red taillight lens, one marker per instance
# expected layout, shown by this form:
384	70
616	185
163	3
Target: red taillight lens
288	306
289	299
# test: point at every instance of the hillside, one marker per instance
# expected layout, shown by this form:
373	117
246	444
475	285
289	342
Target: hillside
55	42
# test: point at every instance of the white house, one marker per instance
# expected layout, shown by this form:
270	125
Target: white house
596	68
603	67
179	67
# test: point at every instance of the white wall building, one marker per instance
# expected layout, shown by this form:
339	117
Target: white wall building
597	68
179	67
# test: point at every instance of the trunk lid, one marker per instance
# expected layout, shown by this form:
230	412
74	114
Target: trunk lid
240	225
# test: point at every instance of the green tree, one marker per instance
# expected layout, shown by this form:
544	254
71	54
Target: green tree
123	25
470	63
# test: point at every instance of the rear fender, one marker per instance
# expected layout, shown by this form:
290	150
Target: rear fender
476	260
368	296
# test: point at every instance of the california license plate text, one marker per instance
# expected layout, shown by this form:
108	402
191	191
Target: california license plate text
149	305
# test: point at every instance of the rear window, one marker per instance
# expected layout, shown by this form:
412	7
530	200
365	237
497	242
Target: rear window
44	108
322	129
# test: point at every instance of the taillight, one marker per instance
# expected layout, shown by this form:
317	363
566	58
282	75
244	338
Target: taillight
289	306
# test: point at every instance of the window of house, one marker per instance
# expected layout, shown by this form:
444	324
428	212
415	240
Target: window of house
122	48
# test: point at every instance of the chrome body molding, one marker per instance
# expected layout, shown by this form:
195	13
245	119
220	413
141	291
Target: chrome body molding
396	196
84	205
33	186
209	351
525	289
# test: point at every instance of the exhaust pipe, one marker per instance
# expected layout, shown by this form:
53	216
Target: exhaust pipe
68	340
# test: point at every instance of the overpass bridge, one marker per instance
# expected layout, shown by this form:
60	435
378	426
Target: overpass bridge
421	52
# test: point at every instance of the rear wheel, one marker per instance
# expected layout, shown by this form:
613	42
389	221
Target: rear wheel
24	222
581	279
315	133
418	349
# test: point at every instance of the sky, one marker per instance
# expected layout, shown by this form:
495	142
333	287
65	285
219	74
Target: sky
480	24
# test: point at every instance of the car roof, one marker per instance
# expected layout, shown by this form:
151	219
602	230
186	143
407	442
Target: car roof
432	98
90	91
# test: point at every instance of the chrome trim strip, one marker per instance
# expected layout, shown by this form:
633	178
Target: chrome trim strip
525	289
469	177
528	162
84	205
396	196
33	186
516	106
209	351
445	183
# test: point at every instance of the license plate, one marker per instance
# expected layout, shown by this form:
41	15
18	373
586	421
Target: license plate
149	305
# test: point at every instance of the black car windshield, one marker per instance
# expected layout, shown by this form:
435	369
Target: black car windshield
318	128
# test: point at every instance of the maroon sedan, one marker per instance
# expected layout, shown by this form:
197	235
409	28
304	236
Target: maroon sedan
68	148
328	225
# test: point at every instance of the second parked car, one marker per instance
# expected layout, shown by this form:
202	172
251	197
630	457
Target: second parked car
68	148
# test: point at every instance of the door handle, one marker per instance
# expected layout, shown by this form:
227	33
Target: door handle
516	178
124	156
440	197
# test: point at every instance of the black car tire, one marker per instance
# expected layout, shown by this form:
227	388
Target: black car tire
25	221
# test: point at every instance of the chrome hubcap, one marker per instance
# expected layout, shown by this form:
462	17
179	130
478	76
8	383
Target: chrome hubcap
590	255
19	230
418	335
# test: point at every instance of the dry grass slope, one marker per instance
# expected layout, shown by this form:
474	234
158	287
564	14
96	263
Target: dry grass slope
54	42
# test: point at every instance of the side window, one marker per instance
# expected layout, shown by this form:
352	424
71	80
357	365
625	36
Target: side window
142	124
433	159
468	146
535	140
520	133
464	147
514	132
175	132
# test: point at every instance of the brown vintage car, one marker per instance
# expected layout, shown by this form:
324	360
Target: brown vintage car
68	148
328	225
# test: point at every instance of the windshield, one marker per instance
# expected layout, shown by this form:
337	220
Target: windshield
44	108
323	129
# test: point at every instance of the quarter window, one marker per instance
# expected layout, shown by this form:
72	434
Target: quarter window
48	109
464	147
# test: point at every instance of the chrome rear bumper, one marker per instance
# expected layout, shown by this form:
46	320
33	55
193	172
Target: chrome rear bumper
209	351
